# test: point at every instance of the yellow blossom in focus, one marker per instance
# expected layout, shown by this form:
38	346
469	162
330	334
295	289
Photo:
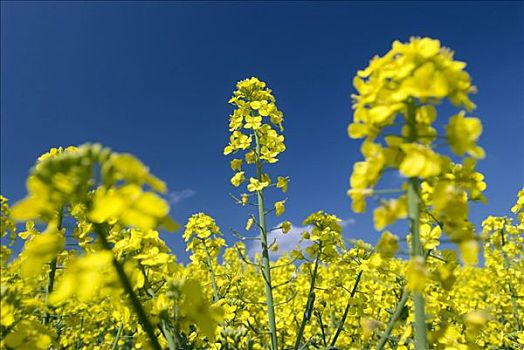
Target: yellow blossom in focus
256	185
430	236
238	178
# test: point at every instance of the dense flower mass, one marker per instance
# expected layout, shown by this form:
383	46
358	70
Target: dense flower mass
395	110
95	272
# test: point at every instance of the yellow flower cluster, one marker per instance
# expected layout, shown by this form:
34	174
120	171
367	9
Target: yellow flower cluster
95	273
112	260
467	306
326	234
409	81
253	124
395	111
203	238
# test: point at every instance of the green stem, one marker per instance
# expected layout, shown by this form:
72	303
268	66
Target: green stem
52	271
346	310
216	296
171	341
266	269
396	314
310	301
164	327
321	324
101	231
416	246
387	191
117	337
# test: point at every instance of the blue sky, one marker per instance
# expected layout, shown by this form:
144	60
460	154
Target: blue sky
153	79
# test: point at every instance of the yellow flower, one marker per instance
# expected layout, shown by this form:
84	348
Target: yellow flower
236	164
286	226
476	318
282	182
201	226
238	178
130	205
87	277
463	133
29	334
427	81
469	250
255	105
389	212
419	161
237	141
249	223
430	236
256	185
426	114
244	198
450	201
40	250
199	311
253	122
279	208
387	245
417	274
358	199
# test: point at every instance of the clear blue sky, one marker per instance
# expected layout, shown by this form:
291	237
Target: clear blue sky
153	79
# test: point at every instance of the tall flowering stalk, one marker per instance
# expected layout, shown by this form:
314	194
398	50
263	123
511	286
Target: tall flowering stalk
204	240
504	244
67	179
326	236
410	81
255	125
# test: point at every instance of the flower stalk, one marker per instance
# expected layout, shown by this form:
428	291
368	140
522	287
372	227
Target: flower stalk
413	200
346	310
101	231
216	296
310	301
266	269
52	272
396	314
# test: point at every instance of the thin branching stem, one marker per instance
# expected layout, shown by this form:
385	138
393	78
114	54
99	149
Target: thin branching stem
346	310
101	231
394	317
117	337
310	301
216	295
396	314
